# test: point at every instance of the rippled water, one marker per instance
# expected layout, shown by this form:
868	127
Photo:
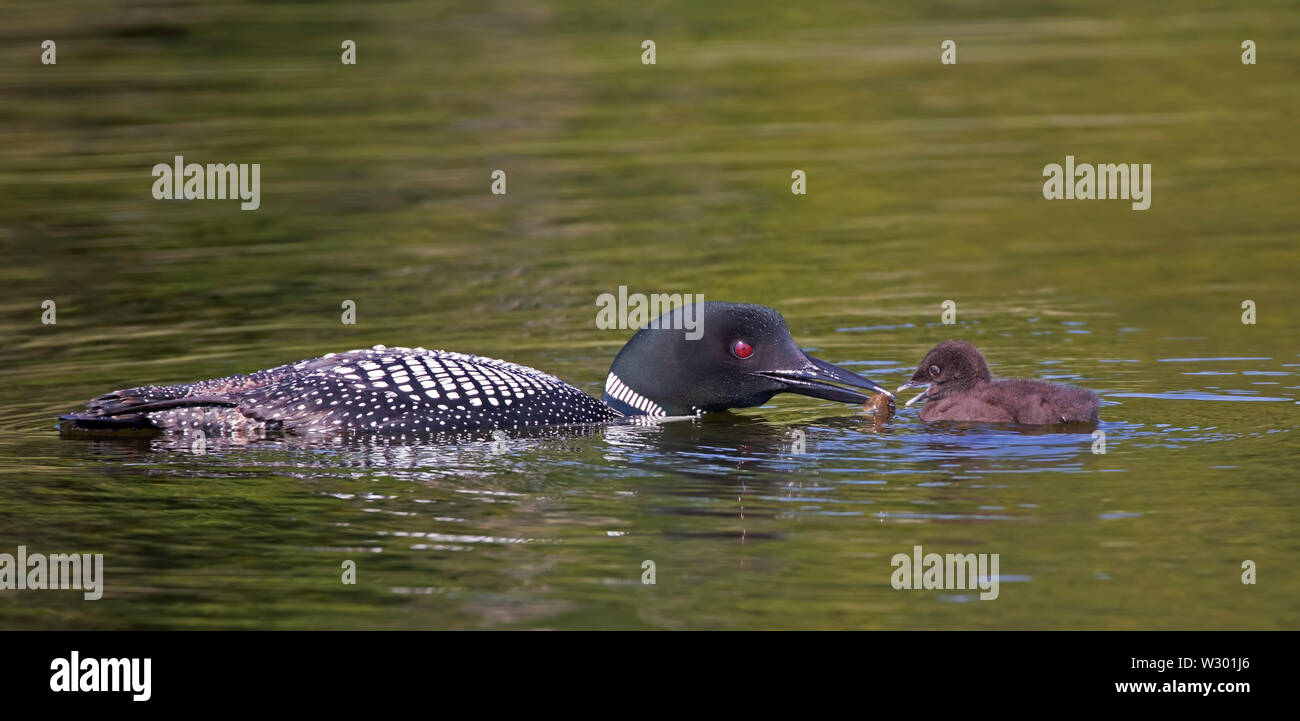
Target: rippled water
924	186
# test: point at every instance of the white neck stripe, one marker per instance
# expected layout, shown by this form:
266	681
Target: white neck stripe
618	389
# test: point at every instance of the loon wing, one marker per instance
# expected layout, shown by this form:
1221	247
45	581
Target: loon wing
380	389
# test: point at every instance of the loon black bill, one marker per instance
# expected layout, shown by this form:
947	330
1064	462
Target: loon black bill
820	379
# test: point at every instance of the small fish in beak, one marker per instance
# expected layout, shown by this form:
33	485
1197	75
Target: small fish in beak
880	405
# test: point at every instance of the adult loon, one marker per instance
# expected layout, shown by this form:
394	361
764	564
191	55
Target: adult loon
959	387
743	356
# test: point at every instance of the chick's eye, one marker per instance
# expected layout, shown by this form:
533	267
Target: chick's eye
742	349
934	371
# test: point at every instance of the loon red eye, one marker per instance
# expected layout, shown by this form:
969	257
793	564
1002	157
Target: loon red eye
742	349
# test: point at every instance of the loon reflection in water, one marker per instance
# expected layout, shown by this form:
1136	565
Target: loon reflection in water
744	357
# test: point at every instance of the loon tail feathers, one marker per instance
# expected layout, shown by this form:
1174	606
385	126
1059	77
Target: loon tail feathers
130	408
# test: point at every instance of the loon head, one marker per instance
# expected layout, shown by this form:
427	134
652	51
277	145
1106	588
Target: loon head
952	367
714	356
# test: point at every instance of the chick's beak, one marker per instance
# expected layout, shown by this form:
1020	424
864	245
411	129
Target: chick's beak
914	384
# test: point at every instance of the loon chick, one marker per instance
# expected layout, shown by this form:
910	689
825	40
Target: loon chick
959	387
743	356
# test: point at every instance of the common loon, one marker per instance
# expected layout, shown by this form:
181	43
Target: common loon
959	387
743	356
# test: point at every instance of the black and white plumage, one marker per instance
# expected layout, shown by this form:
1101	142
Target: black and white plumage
387	390
733	356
